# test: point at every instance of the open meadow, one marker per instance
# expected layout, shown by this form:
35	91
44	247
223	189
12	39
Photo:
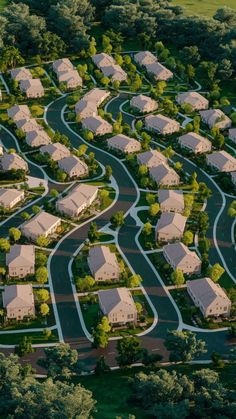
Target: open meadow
204	7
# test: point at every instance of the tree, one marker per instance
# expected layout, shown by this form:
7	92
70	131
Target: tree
44	309
54	193
36	209
93	233
88	135
25	346
117	220
42	295
134	281
41	275
108	173
104	195
154	209
42	241
25	215
147	229
215	272
150	198
85	284
138	125
129	351
14	234
177	277
203	222
100	334
188	237
193	182
184	346
101	366
4	245
232	209
139	307
61	360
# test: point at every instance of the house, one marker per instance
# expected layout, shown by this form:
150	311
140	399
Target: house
159	71
151	158
18	300
232	134
143	104
56	151
97	125
10	197
124	144
115	72
194	99
103	264
32	88
118	306
96	96
164	175
85	108
170	226
181	257
144	58
195	143
161	124
19	74
209	297
233	177
28	125
37	138
18	112
20	261
171	200
222	161
73	166
71	78
215	118
13	162
103	60
62	65
80	198
42	224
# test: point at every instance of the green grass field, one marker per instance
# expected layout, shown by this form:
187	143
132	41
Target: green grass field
3	3
204	7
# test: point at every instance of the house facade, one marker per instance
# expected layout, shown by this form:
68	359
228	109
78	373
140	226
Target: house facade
171	200
103	264
33	88
222	161
118	306
161	124
124	144
170	227
195	143
144	104
164	175
20	261
194	99
80	198
151	158
180	257
215	118
73	166
10	197
42	224
18	300
56	151
97	125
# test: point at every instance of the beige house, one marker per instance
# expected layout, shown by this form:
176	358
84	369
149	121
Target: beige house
115	72
216	118
20	261
179	256
103	264
32	88
71	78
103	60
97	125
62	65
13	162
80	198
96	96
42	224
151	158
195	143
164	175
85	109
73	166
232	134
124	144
170	227
159	71
37	138
28	125
194	99
18	112
19	74
118	306
233	177
10	197
171	200
161	124
144	58
56	151
222	161
18	300
209	297
143	104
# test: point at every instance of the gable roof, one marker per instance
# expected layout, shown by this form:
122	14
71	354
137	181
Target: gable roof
101	255
158	69
159	121
171	195
19	112
72	162
178	251
21	73
41	223
123	141
96	95
175	220
17	296
109	299
161	171
147	157
34	84
40	135
145	57
63	64
193	140
221	158
53	148
206	291
95	122
103	59
9	195
214	116
13	162
193	98
20	255
142	101
78	196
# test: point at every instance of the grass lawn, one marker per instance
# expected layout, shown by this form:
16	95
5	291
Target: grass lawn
3	4
37	337
203	7
117	389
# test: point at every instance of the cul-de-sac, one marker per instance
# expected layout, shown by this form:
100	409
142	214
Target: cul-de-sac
117	209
